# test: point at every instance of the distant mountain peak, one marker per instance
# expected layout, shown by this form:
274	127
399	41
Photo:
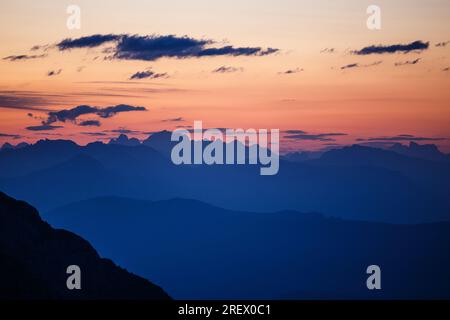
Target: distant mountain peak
123	140
7	146
160	141
57	143
160	135
424	151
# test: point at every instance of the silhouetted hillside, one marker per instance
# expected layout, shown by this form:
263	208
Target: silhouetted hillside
195	250
34	258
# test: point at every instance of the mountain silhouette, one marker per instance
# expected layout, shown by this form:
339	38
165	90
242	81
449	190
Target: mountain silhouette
125	141
7	146
425	151
427	174
161	142
41	155
353	182
198	251
34	259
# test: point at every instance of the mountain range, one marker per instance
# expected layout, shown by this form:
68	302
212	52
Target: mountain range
353	182
225	232
198	251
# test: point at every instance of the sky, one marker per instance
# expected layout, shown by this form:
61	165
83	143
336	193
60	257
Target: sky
312	69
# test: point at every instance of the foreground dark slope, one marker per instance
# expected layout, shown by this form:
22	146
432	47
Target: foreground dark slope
195	250
34	258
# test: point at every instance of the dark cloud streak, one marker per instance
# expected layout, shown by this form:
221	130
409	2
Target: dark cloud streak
43	127
24	57
382	49
154	47
314	137
148	75
401	137
71	115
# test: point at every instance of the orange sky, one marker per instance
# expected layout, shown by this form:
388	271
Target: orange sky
363	102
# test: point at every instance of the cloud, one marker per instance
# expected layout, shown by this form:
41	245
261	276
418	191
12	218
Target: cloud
405	48
23	57
47	134
328	50
442	44
179	119
225	69
43	127
95	134
54	72
43	47
401	137
113	110
232	51
409	62
71	115
315	137
294	131
124	131
89	123
292	71
349	66
154	47
357	65
25	100
148	74
87	42
7	135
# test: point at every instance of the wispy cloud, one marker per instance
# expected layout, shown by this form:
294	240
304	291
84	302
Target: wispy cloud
292	71
24	57
294	131
148	74
29	100
302	135
43	127
350	66
12	136
408	62
225	69
179	119
328	50
357	65
402	137
442	44
89	123
394	48
95	134
54	72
